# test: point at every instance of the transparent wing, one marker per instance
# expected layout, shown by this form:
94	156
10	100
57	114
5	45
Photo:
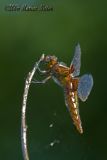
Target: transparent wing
76	62
62	64
84	86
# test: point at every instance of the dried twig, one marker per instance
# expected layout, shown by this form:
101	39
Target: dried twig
23	116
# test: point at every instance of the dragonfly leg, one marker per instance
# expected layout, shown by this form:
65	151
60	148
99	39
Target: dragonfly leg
43	81
42	71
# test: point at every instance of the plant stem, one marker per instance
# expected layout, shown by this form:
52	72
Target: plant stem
23	116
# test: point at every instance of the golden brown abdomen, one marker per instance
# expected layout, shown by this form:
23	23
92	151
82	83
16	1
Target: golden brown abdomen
71	101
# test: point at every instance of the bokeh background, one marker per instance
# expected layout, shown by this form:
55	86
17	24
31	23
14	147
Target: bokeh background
24	36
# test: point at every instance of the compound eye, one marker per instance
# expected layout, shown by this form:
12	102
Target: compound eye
47	58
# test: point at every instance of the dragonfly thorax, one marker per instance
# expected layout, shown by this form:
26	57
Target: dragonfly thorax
60	74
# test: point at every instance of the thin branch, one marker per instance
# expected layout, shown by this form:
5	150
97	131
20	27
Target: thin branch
23	116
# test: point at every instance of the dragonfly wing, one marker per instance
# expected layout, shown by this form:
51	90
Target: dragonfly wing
76	62
84	86
71	101
62	64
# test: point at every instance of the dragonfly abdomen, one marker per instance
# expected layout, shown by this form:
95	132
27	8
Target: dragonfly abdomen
72	105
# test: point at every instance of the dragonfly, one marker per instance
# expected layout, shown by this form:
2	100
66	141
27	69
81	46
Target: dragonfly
75	87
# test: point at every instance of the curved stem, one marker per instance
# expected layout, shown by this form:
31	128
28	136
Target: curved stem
23	116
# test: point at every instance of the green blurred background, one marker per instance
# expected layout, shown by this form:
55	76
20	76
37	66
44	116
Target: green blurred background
24	36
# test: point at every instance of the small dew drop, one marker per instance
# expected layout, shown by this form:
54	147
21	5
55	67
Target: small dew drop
51	125
54	142
51	144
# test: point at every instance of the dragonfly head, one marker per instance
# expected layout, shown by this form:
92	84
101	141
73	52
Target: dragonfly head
49	61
